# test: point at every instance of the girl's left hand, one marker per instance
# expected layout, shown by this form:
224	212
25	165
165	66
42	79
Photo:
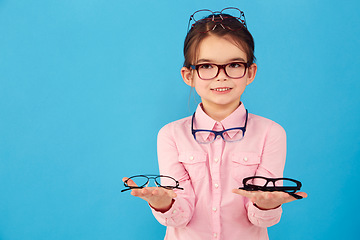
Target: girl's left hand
268	200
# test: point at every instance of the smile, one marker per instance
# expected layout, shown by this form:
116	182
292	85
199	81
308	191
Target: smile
221	89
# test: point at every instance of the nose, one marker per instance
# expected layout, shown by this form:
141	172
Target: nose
222	75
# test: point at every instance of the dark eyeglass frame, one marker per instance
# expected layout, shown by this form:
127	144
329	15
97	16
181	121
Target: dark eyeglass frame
288	189
219	67
223	16
155	178
217	133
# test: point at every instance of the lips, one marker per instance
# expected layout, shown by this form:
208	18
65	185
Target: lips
223	89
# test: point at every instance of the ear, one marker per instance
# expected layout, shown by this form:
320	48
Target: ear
187	76
251	73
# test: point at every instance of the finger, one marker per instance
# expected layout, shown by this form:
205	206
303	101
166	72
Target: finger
131	183
293	198
303	194
149	192
136	192
244	193
162	191
144	193
171	193
269	200
260	196
157	192
128	183
280	197
124	179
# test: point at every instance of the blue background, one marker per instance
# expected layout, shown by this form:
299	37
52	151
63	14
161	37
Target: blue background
86	85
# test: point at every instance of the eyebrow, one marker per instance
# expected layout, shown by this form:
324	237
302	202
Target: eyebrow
204	60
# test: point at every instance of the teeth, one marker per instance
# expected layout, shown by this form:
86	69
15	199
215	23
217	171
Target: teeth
221	89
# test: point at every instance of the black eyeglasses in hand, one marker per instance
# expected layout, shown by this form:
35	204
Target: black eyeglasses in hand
142	181
259	183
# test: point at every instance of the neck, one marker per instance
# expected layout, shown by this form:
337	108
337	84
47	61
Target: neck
219	112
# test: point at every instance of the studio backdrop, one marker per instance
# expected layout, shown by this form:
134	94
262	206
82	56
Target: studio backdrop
85	86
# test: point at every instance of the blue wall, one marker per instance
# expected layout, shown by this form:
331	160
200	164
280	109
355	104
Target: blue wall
86	85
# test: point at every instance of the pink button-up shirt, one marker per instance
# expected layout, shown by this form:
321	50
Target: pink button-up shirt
206	208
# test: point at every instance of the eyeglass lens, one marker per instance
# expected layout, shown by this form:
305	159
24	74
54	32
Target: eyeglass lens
142	181
259	183
232	70
233	12
231	135
201	14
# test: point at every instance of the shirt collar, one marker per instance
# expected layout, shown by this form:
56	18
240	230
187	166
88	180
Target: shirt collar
235	119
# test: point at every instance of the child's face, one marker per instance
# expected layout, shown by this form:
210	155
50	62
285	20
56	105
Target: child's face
222	91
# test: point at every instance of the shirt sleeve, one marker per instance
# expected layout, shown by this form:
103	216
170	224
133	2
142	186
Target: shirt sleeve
181	211
263	218
272	165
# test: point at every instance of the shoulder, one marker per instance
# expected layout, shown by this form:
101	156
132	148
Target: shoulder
266	125
177	126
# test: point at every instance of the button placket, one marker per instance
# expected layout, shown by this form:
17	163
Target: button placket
218	146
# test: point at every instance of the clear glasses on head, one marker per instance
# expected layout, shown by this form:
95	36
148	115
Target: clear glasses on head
217	17
259	183
142	181
208	71
203	136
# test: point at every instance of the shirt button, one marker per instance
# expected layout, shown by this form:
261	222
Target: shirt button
245	159
174	211
218	136
214	209
191	157
215	235
216	185
216	159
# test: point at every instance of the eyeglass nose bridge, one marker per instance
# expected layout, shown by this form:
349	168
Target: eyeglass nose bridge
218	134
156	184
221	67
154	179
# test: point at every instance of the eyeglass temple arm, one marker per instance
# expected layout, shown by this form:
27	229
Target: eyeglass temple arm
126	189
246	120
130	188
295	195
291	194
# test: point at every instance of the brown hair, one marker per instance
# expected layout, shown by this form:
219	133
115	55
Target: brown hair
224	25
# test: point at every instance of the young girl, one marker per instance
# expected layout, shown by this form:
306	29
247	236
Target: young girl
208	162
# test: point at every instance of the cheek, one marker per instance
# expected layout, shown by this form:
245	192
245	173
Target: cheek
198	83
243	83
201	86
241	87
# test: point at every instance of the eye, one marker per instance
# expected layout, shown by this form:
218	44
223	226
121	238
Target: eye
235	65
206	66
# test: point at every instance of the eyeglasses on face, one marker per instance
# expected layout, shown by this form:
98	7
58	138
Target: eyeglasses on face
142	181
217	17
208	71
259	183
203	136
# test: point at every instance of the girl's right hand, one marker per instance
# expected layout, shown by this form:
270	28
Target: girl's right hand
159	198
